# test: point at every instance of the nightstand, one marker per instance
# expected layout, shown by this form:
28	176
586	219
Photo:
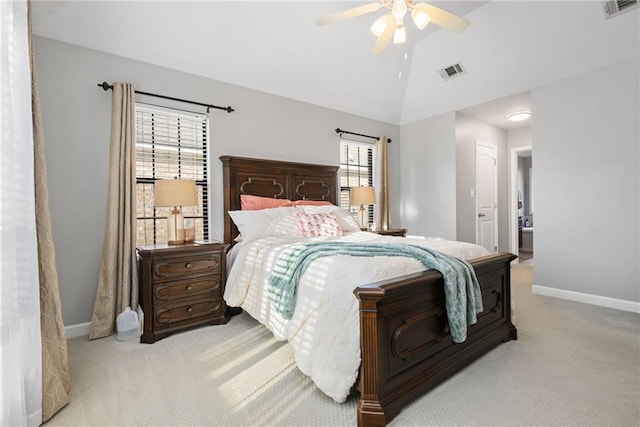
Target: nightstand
402	232
181	287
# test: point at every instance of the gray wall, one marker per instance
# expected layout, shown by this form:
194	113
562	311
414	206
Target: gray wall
428	177
520	137
587	182
586	179
438	170
469	130
76	120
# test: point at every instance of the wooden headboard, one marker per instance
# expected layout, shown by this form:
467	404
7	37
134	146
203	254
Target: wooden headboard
272	178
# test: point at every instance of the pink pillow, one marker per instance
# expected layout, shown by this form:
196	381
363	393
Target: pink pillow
311	203
318	225
254	203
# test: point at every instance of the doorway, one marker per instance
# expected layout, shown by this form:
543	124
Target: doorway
521	206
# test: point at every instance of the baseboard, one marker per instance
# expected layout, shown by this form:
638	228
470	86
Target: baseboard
618	304
79	330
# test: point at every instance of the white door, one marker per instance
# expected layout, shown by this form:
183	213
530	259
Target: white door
487	196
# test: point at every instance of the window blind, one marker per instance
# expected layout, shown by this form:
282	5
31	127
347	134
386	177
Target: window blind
169	144
356	170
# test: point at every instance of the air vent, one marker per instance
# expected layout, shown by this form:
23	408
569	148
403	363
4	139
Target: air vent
451	71
613	8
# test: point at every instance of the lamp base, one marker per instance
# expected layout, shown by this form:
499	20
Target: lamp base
175	227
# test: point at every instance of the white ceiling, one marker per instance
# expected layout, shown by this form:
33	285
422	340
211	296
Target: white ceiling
276	47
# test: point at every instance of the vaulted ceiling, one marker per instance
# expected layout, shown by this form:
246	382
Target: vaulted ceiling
276	47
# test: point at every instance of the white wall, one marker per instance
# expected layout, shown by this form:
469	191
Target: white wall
428	177
587	184
468	130
76	120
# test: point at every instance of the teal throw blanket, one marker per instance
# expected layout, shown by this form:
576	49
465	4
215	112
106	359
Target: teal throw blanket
461	288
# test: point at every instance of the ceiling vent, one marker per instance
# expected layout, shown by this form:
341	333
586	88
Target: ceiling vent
613	8
451	71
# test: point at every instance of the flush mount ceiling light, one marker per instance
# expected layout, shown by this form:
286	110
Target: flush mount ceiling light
518	116
392	23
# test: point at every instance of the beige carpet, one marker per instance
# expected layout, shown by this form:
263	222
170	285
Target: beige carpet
573	364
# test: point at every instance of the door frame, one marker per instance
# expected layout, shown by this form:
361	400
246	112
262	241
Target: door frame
513	198
495	189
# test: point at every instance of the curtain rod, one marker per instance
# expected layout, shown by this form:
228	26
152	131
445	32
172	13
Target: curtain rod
106	86
340	131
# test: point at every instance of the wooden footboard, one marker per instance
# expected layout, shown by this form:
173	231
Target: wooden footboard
404	335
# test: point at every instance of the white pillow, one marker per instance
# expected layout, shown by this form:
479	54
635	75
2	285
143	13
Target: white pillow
254	224
345	220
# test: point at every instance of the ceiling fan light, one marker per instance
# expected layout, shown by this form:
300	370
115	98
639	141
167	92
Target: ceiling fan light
378	27
420	18
399	9
400	35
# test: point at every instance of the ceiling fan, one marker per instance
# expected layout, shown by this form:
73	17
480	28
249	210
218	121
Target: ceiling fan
391	24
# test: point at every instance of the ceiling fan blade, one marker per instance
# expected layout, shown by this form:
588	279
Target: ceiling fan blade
385	37
349	13
443	18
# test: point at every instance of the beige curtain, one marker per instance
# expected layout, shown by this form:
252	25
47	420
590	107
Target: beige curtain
55	367
118	279
382	183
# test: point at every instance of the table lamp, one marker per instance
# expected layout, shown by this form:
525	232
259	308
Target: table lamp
363	196
175	193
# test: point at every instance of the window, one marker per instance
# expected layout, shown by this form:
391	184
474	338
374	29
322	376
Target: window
356	169
169	143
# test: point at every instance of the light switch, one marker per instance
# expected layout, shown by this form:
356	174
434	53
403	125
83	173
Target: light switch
472	192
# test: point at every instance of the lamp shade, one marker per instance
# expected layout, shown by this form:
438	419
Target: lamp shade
363	196
176	192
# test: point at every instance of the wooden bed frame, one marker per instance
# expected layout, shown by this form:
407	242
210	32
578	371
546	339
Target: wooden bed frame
406	348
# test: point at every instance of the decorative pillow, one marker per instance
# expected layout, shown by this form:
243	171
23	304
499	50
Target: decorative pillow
251	203
312	203
318	225
346	221
254	224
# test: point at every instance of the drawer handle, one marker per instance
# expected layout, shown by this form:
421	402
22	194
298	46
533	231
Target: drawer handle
189	288
187	265
190	310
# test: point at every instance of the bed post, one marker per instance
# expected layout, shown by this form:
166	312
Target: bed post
229	197
370	408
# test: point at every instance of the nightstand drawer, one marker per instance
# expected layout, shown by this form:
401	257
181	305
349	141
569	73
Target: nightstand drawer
203	288
173	268
169	315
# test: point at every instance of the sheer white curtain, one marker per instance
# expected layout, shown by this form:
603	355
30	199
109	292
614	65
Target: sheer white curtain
20	341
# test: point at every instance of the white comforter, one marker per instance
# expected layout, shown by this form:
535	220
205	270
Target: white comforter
324	330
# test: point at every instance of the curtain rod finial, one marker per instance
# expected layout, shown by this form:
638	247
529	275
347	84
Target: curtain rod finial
228	109
105	86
